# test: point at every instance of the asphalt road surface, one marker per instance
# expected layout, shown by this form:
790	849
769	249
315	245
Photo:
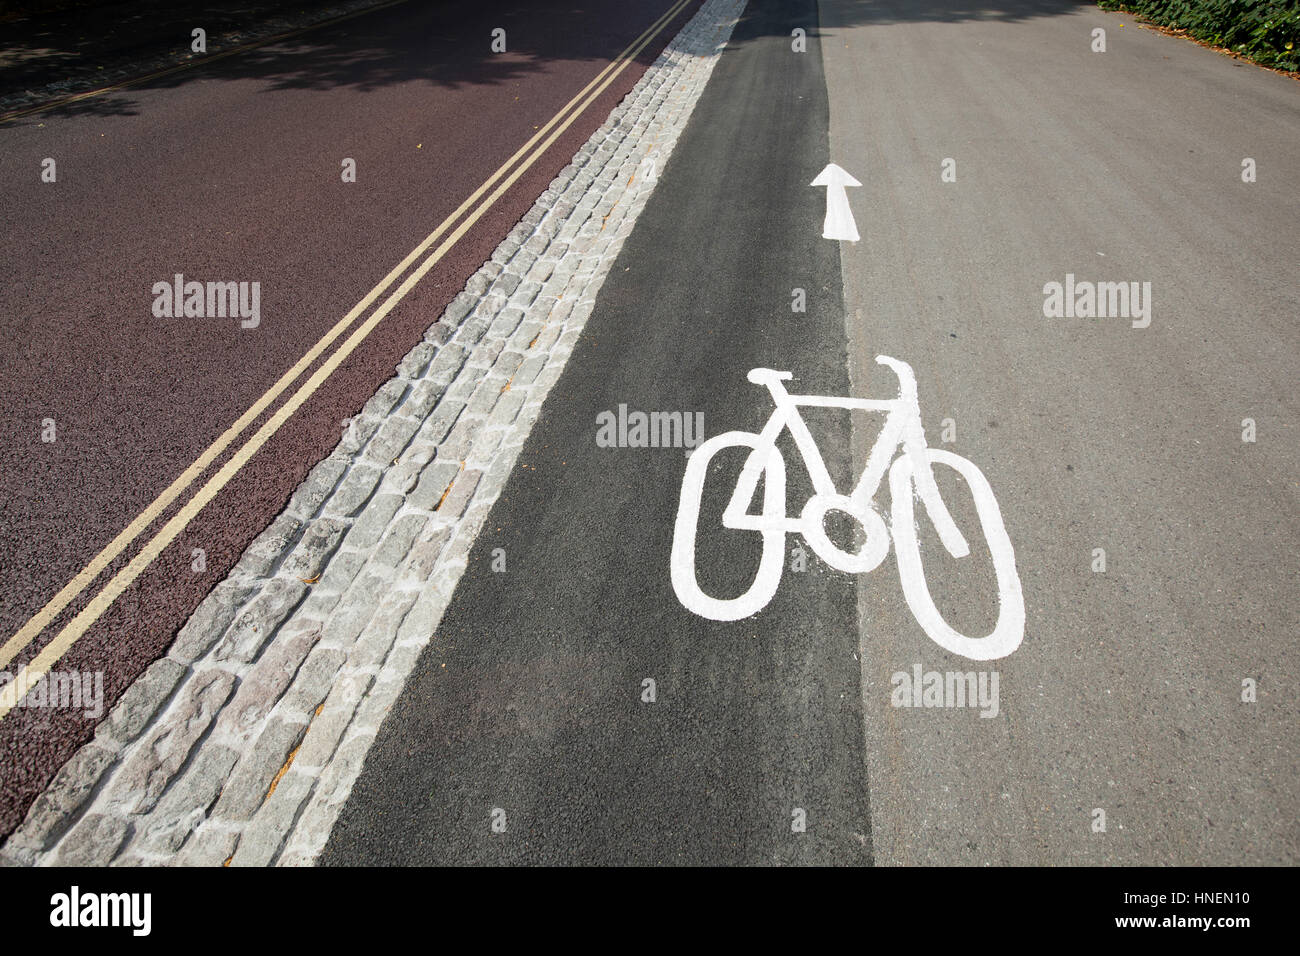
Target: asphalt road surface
232	172
1118	732
570	709
1126	694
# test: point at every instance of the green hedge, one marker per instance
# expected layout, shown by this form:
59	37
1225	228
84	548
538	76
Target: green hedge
1266	31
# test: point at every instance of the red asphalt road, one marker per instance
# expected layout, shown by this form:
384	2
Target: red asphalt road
232	173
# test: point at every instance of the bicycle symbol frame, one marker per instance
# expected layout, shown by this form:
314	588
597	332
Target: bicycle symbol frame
910	475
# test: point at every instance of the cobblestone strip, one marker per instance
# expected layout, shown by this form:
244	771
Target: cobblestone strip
242	744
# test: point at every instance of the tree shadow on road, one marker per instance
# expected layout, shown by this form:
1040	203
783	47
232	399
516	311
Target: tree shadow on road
445	45
956	11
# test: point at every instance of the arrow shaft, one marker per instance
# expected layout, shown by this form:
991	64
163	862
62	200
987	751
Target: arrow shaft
839	222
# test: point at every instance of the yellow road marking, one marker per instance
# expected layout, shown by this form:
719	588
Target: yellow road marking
41	664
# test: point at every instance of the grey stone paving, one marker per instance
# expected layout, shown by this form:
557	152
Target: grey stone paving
243	743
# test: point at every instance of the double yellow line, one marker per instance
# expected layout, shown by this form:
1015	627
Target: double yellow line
525	157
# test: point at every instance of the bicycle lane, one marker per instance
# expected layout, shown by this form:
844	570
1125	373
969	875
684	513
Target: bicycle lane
531	706
1155	547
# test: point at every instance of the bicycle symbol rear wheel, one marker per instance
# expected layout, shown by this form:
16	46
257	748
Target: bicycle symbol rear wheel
768	578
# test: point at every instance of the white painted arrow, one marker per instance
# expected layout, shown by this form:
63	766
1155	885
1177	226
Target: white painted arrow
839	217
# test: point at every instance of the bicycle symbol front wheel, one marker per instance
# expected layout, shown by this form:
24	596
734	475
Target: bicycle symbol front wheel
768	578
1010	628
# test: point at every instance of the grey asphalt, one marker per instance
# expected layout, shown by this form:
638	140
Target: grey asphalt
529	698
1116	166
1126	695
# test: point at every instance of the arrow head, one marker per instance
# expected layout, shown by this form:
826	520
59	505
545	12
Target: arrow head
833	175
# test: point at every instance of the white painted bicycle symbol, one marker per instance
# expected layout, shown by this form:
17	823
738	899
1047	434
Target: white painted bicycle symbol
910	476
